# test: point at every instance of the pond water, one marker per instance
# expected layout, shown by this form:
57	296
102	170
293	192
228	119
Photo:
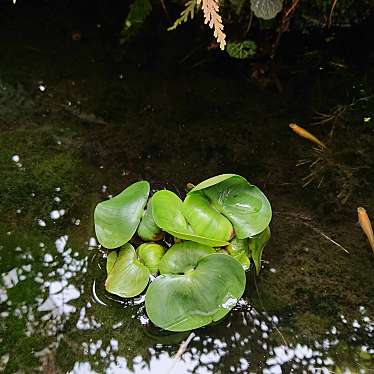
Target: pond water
79	121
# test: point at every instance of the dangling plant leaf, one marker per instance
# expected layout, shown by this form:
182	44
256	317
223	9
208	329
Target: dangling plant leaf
241	50
167	213
266	9
196	287
150	254
243	204
187	13
214	20
117	219
148	230
127	276
256	246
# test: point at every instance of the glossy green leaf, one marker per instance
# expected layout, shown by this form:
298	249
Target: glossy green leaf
212	182
256	246
238	248
195	289
117	219
148	230
150	254
204	220
243	204
167	213
182	257
128	277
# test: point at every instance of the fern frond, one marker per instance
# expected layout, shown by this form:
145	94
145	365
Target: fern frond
214	20
188	12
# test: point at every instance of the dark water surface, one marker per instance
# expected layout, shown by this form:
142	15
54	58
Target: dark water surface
79	121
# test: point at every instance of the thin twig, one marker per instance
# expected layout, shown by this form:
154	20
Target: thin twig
292	8
182	349
303	219
249	23
189	54
331	12
331	240
165	11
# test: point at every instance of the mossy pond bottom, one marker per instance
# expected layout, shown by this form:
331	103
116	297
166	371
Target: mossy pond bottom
77	127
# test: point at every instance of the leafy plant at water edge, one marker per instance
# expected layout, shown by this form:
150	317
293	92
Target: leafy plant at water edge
221	224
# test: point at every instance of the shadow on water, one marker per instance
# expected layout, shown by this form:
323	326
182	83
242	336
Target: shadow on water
80	129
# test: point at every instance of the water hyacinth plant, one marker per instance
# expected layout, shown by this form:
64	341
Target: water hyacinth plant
221	225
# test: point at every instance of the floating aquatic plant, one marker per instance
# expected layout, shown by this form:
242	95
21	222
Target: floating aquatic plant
221	225
196	287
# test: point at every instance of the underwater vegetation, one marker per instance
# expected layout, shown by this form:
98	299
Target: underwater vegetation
195	251
15	102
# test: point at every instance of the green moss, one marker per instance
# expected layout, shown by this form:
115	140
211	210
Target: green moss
26	362
311	325
48	170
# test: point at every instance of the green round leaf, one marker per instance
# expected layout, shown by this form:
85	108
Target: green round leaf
188	299
167	213
117	219
148	230
204	220
150	254
127	276
243	204
182	257
256	246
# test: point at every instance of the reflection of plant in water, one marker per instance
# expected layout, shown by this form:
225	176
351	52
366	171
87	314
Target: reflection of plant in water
200	281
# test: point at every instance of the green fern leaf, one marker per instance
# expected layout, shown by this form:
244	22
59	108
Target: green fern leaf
188	12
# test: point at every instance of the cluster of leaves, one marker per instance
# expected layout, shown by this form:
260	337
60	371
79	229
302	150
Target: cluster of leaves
217	228
257	14
140	9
